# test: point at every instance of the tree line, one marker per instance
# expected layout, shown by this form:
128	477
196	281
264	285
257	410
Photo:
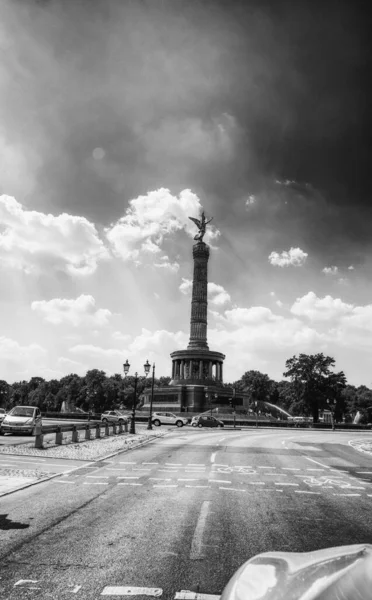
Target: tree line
311	385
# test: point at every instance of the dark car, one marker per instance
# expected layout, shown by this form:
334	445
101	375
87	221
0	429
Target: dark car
206	421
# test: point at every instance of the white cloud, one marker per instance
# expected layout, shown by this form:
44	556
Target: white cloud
165	263
22	362
330	270
351	268
320	309
121	337
89	351
186	286
294	257
343	281
279	303
217	294
71	366
250	201
78	312
34	241
150	219
11	350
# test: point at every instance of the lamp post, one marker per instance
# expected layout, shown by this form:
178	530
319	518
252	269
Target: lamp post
149	426
126	367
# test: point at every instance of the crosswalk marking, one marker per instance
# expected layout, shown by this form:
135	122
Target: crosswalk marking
120	590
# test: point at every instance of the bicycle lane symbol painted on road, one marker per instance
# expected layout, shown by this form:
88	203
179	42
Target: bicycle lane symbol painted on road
239	470
326	481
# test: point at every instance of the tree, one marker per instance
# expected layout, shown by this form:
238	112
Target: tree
314	382
258	385
4	393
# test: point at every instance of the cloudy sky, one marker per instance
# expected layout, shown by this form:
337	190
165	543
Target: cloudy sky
121	118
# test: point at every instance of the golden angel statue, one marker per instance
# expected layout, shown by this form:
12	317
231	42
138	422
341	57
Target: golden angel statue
202	225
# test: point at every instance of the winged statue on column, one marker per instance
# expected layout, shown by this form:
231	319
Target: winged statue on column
202	225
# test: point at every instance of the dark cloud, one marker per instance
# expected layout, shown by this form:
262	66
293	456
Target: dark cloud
220	97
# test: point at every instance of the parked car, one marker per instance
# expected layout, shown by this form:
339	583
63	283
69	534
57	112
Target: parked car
167	418
206	421
21	419
2	414
114	416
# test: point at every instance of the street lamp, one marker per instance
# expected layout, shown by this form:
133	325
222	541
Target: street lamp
126	367
147	369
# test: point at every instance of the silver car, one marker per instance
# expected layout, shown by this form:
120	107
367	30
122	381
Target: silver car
167	418
114	416
21	419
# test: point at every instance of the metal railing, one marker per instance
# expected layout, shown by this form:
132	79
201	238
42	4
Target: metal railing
88	428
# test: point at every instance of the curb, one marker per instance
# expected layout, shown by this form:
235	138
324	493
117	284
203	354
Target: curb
27	485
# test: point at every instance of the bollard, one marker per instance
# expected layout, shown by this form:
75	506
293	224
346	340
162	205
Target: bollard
98	431
114	428
59	437
39	438
120	426
107	429
75	434
87	432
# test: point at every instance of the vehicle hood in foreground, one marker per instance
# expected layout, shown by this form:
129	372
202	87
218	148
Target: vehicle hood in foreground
340	573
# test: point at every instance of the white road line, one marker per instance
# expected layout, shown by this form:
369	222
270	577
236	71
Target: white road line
221	439
213	457
220	465
127	477
64	481
95	483
219	481
130	591
339	471
196	544
195	464
258	483
186	595
198	486
124	462
266	467
291	469
315	469
98	476
76	589
306	492
284	483
164	486
188	479
141	469
316	462
364	472
347	494
125	483
282	474
116	469
174	464
167	470
232	489
159	479
150	463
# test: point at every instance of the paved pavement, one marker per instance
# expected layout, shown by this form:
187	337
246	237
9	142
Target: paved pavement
183	513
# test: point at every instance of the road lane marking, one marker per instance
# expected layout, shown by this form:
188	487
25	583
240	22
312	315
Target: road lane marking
98	476
232	489
115	469
316	462
64	481
347	494
188	479
164	486
196	552
213	457
281	474
221	439
127	477
141	469
265	467
364	472
174	464
130	591
150	463
75	590
95	483
219	480
195	464
291	469
186	595
127	483
220	465
284	483
259	483
315	469
198	486
160	479
306	492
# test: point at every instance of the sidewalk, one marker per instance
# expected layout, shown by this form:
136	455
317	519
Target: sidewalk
12	480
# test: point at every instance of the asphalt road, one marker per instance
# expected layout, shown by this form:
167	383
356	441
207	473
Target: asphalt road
183	513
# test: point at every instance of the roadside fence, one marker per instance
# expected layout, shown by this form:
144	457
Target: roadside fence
89	429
